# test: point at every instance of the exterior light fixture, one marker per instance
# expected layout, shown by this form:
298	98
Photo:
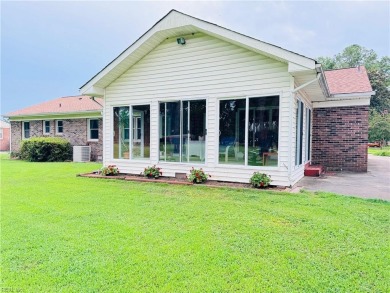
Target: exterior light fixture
181	41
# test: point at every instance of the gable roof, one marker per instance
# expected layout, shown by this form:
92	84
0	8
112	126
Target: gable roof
348	81
63	105
179	24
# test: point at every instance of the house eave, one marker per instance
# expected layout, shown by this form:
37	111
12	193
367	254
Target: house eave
50	116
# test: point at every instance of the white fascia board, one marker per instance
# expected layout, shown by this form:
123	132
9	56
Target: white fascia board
93	91
352	95
363	101
175	19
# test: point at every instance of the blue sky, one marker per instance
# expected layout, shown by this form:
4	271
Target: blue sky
50	49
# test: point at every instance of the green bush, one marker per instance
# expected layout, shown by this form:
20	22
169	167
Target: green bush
46	149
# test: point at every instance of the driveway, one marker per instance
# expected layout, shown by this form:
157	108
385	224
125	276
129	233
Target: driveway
373	184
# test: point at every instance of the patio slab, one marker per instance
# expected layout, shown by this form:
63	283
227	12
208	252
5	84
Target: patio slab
374	184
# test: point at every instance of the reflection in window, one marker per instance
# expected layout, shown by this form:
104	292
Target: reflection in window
232	131
262	131
141	132
183	131
121	132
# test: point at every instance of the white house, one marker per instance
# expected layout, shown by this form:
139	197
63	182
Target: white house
189	93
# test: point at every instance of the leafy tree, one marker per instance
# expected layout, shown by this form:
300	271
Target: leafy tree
379	127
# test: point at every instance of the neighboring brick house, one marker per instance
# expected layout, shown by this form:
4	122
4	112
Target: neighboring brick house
4	136
78	119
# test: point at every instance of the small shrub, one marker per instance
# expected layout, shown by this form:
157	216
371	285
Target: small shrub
197	176
110	170
259	180
152	172
46	149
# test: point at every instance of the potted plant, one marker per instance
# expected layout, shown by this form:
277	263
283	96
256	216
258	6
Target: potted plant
152	172
110	170
260	180
197	176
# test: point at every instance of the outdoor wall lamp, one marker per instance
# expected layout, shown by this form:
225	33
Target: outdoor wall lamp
181	41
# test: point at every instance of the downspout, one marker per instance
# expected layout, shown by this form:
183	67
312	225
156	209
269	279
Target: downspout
93	99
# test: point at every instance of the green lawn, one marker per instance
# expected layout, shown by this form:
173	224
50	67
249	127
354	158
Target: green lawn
62	233
384	151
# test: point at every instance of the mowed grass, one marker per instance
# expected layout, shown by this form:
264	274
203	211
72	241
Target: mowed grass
384	151
62	233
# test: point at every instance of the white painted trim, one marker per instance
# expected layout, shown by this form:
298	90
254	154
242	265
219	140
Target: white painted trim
342	103
23	133
352	95
56	127
89	130
1	133
44	127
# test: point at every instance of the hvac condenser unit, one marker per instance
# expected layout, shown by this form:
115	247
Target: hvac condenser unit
81	153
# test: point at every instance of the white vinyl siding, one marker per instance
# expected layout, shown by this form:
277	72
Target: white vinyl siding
204	68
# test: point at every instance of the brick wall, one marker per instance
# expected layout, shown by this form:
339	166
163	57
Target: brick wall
74	130
4	141
340	137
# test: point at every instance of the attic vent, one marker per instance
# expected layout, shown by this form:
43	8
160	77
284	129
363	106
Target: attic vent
81	153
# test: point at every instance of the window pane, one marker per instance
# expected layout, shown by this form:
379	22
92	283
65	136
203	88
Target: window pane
60	127
194	130
170	139
263	131
94	124
47	126
94	134
26	126
232	132
121	132
141	132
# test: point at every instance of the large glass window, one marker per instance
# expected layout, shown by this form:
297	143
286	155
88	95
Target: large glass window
141	132
183	131
232	131
121	132
249	131
263	131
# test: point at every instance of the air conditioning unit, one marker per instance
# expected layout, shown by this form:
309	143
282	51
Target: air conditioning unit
81	153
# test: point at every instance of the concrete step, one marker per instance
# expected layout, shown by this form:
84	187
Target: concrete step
313	170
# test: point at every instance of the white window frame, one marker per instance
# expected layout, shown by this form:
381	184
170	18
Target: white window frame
44	127
23	130
57	132
247	98
89	129
1	133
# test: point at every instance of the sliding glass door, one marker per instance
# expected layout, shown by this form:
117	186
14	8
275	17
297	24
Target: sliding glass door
183	131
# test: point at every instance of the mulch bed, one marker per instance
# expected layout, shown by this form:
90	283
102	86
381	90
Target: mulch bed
177	181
